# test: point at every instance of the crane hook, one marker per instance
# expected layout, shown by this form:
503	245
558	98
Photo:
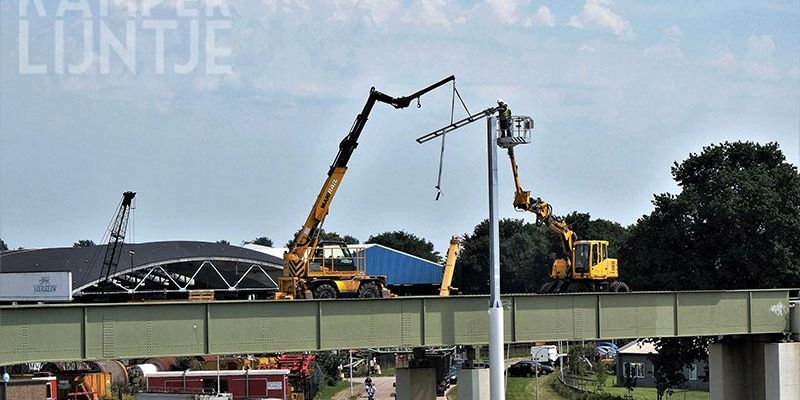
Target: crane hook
419	105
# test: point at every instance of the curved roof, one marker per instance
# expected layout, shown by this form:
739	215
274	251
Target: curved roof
85	263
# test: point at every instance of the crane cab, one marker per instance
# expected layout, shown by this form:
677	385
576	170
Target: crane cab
520	131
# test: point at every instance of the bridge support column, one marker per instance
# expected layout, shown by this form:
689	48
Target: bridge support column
757	371
473	384
415	384
418	381
473	379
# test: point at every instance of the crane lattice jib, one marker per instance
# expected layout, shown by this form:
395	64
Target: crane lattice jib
117	237
305	241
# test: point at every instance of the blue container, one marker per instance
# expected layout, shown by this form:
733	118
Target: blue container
401	268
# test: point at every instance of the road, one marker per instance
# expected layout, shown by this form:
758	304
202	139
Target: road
384	386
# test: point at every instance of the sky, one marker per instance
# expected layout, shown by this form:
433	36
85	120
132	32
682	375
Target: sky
224	116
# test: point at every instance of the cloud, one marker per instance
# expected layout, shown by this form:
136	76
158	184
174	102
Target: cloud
432	13
284	6
669	47
724	60
673	33
596	15
373	11
760	47
543	17
509	12
505	10
759	62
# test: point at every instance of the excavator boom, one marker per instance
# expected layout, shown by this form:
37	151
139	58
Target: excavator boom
543	211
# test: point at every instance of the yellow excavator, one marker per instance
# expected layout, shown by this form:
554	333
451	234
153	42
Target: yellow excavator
309	273
584	265
449	266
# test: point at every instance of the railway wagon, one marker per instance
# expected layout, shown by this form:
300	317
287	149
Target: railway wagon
241	384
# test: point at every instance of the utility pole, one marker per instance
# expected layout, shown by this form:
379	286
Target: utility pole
496	362
351	372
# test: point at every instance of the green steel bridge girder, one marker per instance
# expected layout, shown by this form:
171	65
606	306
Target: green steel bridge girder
138	330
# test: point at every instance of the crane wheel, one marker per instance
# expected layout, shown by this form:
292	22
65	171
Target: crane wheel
369	290
618	287
325	291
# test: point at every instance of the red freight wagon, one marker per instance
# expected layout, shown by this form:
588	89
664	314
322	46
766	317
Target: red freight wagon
241	384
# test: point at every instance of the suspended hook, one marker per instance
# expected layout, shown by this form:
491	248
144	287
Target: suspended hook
455	94
419	105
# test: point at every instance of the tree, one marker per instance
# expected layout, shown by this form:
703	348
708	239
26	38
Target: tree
331	362
331	236
263	241
673	357
734	225
223	241
184	363
3	246
83	243
408	243
599	229
527	252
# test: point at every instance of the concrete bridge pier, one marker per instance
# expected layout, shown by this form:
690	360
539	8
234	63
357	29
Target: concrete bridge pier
473	378
749	370
418	381
415	383
760	367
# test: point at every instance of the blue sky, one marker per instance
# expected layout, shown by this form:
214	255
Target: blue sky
619	91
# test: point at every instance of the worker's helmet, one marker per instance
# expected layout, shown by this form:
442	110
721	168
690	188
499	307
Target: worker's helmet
368	381
500	101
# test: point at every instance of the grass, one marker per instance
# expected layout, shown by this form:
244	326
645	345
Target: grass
327	392
642	393
524	388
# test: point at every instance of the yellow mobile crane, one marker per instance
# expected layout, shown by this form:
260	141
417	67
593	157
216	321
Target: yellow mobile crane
584	265
304	277
450	266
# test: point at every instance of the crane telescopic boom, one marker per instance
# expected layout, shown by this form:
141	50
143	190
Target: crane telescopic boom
298	258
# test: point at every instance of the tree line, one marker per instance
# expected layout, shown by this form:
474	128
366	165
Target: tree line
734	224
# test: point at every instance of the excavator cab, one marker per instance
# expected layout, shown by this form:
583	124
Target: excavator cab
591	261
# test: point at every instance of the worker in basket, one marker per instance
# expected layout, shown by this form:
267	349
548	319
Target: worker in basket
504	116
369	388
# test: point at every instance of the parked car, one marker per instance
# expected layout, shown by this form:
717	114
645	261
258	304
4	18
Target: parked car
452	375
529	368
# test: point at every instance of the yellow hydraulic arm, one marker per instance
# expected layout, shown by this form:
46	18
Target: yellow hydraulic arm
450	266
297	259
544	212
